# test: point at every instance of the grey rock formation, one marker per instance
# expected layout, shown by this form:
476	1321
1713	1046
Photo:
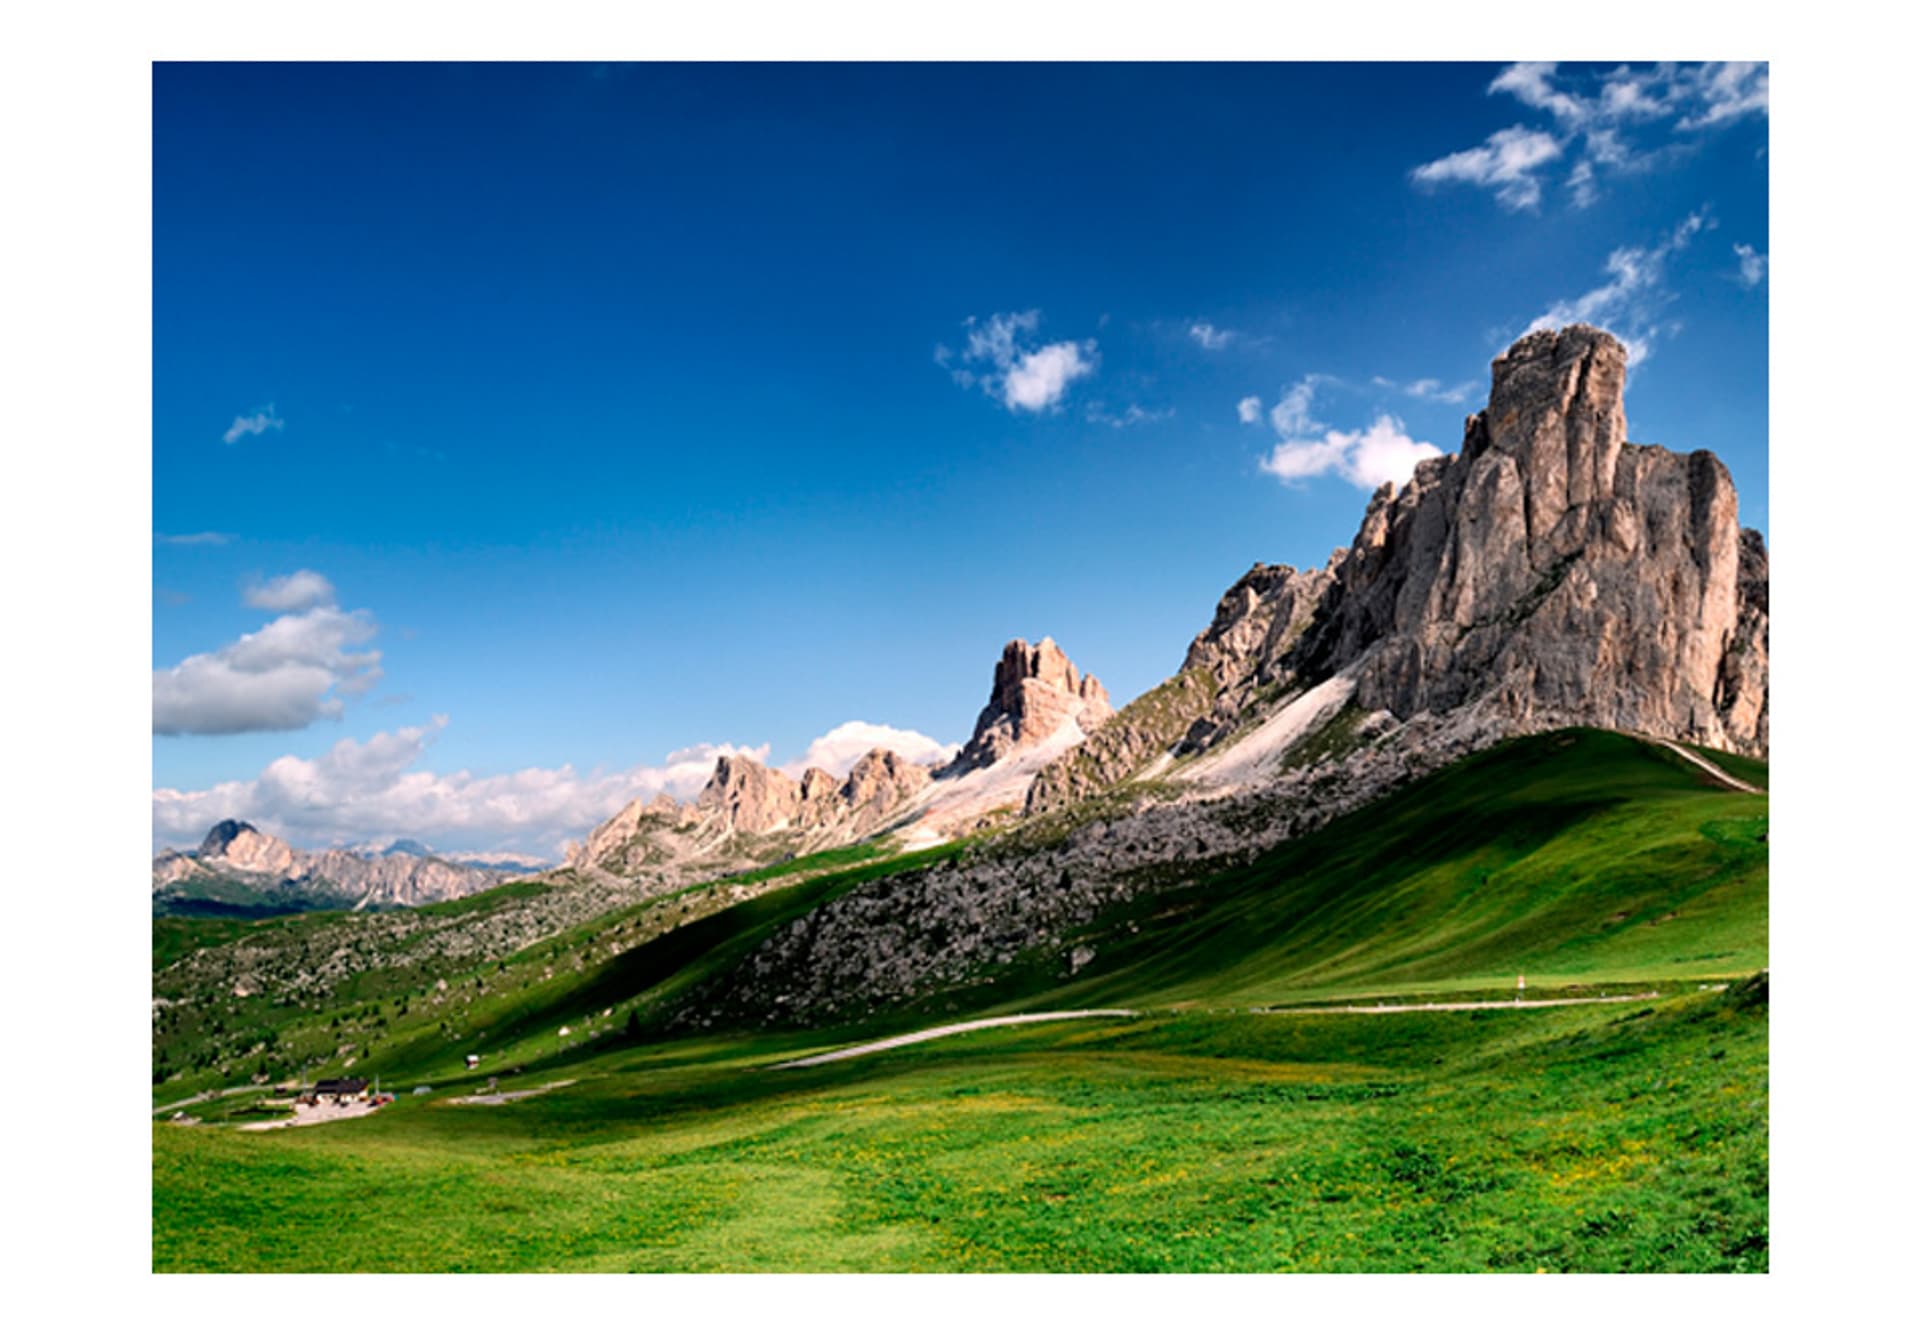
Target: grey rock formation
1554	573
1549	573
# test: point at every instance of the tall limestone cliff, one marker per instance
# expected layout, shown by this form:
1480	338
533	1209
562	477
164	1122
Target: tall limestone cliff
1549	573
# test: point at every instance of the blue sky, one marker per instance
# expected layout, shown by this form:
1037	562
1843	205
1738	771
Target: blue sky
541	423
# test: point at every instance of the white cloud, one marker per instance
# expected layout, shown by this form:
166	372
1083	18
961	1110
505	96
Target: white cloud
1039	379
285	675
1429	390
1248	409
374	791
256	424
1532	82
1293	414
1384	452
1753	264
1585	192
193	539
1132	415
1728	91
1631	303
1600	119
1022	377
291	592
1507	163
1209	337
837	751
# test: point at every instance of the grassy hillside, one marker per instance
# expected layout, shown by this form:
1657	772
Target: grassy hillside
1580	1139
1205	1134
1582	859
1577	858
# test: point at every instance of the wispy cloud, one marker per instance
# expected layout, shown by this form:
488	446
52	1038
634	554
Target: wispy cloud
1428	390
1508	163
193	539
1753	264
294	670
1293	413
1383	452
1632	302
256	423
1213	339
1132	415
1624	119
290	592
1002	359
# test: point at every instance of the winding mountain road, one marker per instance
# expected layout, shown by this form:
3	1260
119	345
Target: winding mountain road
948	1030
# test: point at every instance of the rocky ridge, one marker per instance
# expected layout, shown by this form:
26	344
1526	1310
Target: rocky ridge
749	814
746	815
240	865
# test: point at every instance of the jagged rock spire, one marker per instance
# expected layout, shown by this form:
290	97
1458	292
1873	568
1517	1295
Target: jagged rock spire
1036	691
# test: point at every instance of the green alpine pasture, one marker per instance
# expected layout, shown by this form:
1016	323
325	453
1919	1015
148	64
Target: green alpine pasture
1204	1134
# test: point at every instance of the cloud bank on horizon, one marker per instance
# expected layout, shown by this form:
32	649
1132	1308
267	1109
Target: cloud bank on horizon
375	791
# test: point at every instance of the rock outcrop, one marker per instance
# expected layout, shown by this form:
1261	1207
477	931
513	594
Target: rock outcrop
1553	573
1036	691
1550	573
749	814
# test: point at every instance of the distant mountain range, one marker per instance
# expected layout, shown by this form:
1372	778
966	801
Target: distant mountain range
239	871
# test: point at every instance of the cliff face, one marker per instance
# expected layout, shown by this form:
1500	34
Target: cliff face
1549	573
1554	573
1036	691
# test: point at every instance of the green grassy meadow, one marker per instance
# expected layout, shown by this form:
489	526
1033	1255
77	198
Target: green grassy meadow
1201	1135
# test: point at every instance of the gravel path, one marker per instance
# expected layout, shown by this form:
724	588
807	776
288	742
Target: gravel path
1463	1005
1702	762
497	1099
947	1030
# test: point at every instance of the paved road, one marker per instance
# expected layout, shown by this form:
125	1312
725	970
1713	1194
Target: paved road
947	1030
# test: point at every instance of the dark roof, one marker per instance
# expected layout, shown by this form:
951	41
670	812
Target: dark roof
340	1086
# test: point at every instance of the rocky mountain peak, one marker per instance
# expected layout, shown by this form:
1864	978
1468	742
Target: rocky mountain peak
881	778
1037	690
749	797
1549	573
222	834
